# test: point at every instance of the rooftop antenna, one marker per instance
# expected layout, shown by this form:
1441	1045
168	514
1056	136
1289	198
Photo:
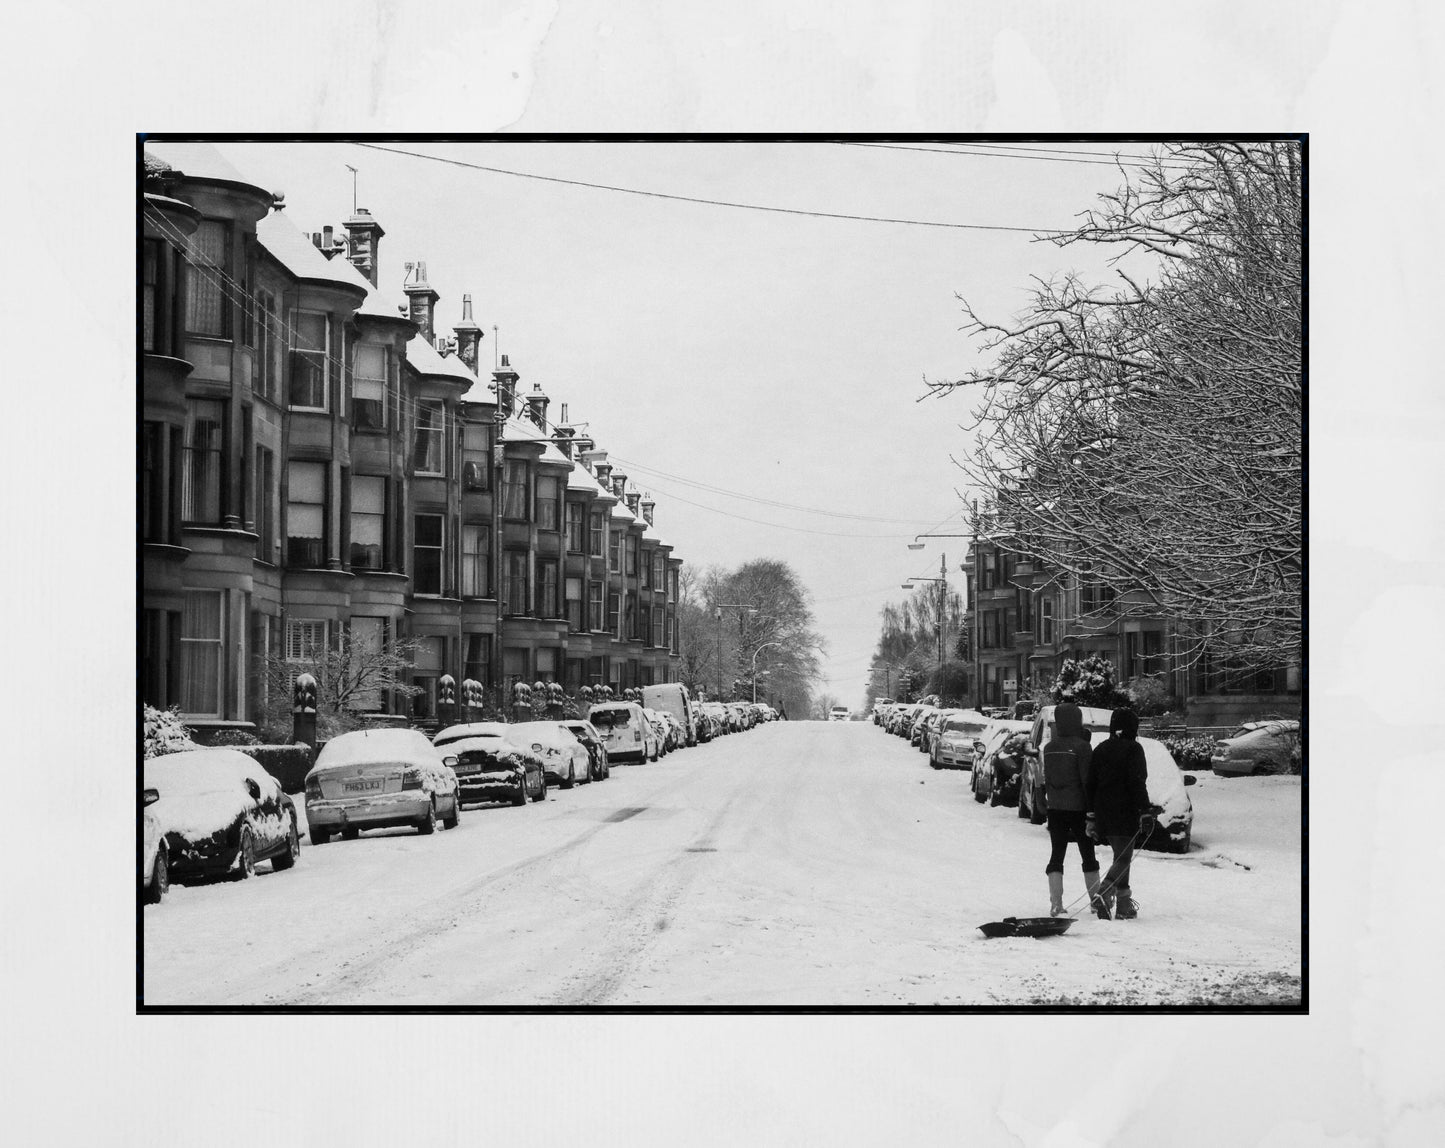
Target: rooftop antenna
352	170
496	349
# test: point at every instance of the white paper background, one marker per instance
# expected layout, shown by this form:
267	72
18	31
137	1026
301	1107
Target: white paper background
1364	1068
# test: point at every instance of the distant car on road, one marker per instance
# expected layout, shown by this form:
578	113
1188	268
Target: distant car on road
838	713
1258	747
372	778
221	814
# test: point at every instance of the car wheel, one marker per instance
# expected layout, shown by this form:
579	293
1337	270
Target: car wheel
246	856
520	797
287	857
933	761
1022	811
978	793
541	789
350	833
318	835
1258	771
456	815
160	877
993	797
428	823
570	780
1036	813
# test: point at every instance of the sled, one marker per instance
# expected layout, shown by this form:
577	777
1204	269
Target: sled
1027	927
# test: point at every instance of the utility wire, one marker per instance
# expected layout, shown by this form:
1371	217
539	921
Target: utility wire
994	155
712	202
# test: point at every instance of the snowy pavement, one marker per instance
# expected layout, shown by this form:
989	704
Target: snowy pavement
801	863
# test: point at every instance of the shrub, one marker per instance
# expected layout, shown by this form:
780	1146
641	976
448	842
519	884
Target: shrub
1149	696
1191	752
1088	682
235	737
164	732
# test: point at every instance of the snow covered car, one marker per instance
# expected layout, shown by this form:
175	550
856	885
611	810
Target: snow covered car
470	729
587	734
1258	747
565	760
1033	802
154	864
997	769
676	735
220	814
920	724
673	698
373	778
661	729
1167	784
625	730
955	744
491	768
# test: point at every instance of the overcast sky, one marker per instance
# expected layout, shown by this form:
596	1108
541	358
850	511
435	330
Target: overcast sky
767	356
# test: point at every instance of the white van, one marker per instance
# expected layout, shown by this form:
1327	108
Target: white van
625	731
673	698
839	713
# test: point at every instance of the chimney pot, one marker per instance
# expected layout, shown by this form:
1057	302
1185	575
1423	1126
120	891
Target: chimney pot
363	240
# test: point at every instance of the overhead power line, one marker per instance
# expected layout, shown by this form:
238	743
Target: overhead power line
711	202
1004	155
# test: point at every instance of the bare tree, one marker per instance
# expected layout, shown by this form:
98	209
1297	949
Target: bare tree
352	677
823	706
1148	438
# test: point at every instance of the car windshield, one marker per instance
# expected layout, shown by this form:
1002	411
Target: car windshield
482	756
959	725
609	719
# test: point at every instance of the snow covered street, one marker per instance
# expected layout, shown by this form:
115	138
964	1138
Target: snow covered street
801	863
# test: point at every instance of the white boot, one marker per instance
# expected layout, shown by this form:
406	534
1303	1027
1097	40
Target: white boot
1056	894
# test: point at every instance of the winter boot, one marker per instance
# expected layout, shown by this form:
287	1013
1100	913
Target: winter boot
1056	894
1127	908
1098	900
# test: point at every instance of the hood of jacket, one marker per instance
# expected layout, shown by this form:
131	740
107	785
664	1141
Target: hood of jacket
1069	721
1125	723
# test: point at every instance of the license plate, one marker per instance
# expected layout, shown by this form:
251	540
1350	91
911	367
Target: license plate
361	786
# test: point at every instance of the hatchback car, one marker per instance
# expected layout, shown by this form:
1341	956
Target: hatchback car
220	814
1258	747
491	768
372	778
586	733
626	730
564	758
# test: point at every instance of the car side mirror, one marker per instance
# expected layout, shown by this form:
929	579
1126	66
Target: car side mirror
1190	779
253	789
151	796
1029	751
450	761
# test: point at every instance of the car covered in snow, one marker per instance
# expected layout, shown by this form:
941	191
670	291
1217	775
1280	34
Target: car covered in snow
1258	747
955	744
374	778
564	759
470	729
673	698
586	733
1033	801
155	876
220	814
660	728
1000	762
492	768
626	731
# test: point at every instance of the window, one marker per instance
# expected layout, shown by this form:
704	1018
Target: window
428	447
546	589
208	257
205	440
1046	621
476	459
514	491
265	505
306	514
659	570
546	664
594	605
1023	608
598	532
310	359
574	527
631	621
614	551
986	572
427	552
647	570
672	634
549	503
368	639
368	388
152	483
658	625
632	546
266	379
514	664
514	588
674	580
478	662
476	562
368	522
202	666
576	608
426	668
614	615
150	295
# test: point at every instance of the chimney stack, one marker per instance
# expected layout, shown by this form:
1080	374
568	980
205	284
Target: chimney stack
421	300
537	406
365	235
600	466
633	498
468	336
647	505
619	483
506	380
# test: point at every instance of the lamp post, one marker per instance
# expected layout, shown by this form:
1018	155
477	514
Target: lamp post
753	672
977	617
942	581
718	608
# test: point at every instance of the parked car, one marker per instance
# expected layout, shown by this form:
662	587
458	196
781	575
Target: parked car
625	730
587	734
676	735
492	768
220	814
564	758
1033	800
660	728
956	744
155	876
673	698
470	729
716	719
1258	747
997	768
372	778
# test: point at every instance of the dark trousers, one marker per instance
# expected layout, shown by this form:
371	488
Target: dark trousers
1118	875
1067	825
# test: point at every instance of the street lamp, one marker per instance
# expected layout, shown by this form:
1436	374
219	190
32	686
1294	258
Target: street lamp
753	672
942	581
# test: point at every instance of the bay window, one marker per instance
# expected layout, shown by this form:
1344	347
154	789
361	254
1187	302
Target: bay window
575	524
428	549
594	605
429	443
598	534
203	623
310	359
204	451
306	514
546	589
368	387
576	610
549	503
368	522
514	491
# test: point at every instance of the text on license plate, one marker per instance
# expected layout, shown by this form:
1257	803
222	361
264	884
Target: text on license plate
361	786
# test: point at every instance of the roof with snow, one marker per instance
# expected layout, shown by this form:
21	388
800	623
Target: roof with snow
581	479
429	361
375	306
302	258
198	161
553	455
519	429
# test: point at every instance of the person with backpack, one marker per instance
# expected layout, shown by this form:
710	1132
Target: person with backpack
1067	760
1119	796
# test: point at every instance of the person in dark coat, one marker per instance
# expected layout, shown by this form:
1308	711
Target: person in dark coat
1119	797
1067	760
